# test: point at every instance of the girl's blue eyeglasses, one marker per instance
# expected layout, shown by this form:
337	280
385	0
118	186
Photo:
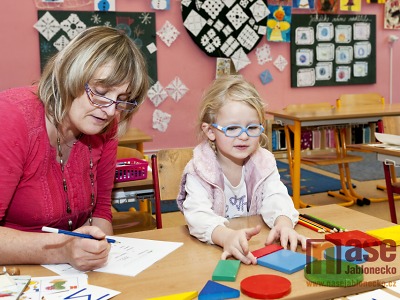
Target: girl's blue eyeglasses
235	130
102	101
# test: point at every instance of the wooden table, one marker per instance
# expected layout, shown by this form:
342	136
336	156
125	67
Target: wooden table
189	267
135	138
336	116
388	157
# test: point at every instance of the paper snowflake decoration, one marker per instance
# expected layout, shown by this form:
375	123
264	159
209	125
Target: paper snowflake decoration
157	94
176	89
145	18
194	22
151	48
263	54
240	59
168	33
47	25
96	19
280	62
73	25
61	42
161	120
210	41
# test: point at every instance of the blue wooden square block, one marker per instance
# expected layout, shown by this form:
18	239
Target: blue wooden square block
285	261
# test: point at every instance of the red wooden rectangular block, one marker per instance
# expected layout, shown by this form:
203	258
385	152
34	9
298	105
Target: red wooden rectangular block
355	238
266	250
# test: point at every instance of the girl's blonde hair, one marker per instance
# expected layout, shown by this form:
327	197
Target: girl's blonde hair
66	73
230	88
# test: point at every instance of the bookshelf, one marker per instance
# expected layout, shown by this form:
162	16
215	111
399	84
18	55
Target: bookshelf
318	140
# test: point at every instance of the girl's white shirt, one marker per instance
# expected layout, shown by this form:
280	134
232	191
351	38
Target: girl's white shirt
202	220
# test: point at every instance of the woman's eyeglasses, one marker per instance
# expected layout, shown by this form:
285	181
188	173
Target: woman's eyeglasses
102	101
234	130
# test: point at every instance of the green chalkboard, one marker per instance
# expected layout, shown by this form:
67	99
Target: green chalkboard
329	50
140	26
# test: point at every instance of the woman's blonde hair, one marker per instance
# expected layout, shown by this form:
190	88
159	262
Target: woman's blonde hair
66	73
230	88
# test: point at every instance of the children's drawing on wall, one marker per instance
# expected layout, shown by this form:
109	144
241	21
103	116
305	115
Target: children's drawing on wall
278	24
327	6
160	4
350	5
326	51
304	4
392	14
61	4
224	67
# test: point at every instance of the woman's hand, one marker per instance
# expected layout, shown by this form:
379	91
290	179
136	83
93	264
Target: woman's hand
87	254
235	243
283	231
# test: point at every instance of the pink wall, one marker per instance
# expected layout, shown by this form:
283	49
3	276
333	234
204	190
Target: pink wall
19	65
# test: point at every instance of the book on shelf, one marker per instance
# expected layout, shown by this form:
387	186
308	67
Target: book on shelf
316	139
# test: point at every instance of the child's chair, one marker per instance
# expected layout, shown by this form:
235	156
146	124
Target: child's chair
168	166
131	220
387	125
339	156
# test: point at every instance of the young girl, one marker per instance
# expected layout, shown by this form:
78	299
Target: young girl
231	175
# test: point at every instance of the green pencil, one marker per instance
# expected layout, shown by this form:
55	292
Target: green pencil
323	222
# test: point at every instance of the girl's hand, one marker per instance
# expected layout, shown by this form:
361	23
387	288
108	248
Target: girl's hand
283	231
87	254
235	243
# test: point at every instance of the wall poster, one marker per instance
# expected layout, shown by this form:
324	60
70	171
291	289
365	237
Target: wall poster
57	28
329	50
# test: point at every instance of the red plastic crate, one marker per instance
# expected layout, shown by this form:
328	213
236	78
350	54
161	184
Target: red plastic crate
129	169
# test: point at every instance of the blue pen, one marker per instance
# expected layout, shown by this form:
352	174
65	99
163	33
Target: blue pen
72	233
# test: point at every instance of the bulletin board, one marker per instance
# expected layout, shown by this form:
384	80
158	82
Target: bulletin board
331	50
57	28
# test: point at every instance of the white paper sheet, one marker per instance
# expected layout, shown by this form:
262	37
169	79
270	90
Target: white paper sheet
65	287
373	295
129	257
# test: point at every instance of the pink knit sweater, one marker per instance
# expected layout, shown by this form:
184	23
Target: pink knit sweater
31	189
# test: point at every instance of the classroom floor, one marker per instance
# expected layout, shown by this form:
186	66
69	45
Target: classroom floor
365	188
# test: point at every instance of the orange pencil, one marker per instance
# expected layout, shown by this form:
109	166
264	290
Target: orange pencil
310	226
316	224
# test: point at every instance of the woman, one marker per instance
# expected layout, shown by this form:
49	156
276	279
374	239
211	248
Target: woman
58	147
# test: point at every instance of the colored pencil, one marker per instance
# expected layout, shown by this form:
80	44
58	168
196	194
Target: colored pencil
313	223
310	226
319	221
316	224
325	223
73	233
